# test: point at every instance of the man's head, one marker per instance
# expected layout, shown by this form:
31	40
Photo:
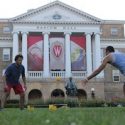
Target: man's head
70	78
109	49
18	59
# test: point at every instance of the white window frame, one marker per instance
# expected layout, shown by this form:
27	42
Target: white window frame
116	75
114	31
101	31
102	53
6	29
3	72
6	52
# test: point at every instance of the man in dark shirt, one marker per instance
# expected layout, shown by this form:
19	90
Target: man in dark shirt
11	80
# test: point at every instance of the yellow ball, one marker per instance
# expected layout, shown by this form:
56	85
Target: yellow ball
58	78
52	108
30	108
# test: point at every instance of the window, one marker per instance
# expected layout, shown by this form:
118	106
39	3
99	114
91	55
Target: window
6	30
101	31
116	75
3	72
102	54
114	31
6	54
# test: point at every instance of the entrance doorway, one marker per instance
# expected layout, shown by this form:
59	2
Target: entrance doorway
34	94
81	94
57	93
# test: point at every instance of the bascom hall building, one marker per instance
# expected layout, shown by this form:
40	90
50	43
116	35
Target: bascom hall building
59	41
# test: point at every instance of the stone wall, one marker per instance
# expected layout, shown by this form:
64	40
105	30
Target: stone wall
106	31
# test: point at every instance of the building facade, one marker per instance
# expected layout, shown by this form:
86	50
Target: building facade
57	42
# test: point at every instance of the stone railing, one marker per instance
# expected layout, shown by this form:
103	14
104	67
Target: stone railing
54	74
35	74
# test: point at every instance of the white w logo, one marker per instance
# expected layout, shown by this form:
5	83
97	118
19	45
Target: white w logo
57	49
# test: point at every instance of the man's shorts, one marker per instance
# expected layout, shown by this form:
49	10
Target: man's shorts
18	88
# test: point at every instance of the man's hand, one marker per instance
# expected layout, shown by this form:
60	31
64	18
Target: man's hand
24	87
84	82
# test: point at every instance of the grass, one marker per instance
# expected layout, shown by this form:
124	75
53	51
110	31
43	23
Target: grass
64	116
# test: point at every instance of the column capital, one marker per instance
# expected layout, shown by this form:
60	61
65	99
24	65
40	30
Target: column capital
15	32
45	32
97	33
67	33
88	33
24	32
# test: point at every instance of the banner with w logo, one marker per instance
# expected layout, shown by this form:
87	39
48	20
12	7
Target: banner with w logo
57	50
57	53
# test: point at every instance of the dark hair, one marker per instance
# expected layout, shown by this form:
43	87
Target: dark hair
110	49
18	56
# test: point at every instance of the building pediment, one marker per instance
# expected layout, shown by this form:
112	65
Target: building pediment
56	11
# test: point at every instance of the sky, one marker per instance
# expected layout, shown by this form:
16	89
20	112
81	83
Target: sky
103	9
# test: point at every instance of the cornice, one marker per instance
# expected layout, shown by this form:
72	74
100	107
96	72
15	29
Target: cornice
115	40
113	22
4	20
56	22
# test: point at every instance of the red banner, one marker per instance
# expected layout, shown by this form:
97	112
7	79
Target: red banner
35	53
78	57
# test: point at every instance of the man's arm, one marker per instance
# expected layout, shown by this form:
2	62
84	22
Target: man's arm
6	74
99	69
23	76
24	80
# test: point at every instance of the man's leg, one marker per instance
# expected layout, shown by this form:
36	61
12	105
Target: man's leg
19	90
4	99
22	100
5	95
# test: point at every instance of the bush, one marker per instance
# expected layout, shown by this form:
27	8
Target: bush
70	102
12	103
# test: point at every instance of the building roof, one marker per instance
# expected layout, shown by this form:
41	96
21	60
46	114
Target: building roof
58	12
56	8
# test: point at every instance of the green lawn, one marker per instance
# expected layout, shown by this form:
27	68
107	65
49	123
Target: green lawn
64	116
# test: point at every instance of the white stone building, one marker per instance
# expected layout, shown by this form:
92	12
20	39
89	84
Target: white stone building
54	39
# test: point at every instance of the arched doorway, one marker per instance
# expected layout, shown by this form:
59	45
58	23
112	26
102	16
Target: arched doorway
34	94
81	94
57	93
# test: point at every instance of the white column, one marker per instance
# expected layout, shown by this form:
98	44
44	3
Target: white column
93	53
24	51
46	72
15	45
88	53
67	55
98	54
